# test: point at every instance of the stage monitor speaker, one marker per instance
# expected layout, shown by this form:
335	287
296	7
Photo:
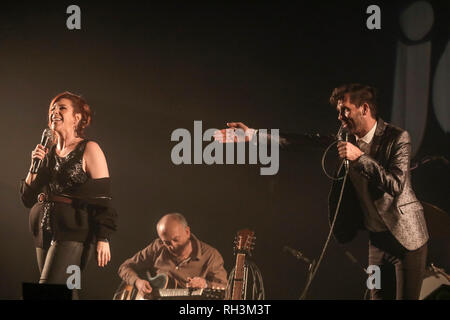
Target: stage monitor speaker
37	291
435	285
441	293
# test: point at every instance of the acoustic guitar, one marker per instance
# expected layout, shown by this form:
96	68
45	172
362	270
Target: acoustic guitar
244	244
160	291
128	292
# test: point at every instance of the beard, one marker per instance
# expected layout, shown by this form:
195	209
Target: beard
353	125
179	250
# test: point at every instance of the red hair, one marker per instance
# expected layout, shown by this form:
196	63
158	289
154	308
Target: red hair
79	106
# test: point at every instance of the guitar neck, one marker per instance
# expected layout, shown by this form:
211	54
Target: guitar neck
238	283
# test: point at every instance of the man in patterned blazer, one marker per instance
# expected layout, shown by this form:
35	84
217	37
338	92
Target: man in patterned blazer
377	197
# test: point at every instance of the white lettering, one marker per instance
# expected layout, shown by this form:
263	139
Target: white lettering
73	21
374	21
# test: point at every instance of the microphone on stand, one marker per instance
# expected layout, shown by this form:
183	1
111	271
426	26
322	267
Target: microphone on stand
46	139
297	254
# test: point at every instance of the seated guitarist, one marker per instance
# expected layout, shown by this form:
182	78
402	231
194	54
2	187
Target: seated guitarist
187	261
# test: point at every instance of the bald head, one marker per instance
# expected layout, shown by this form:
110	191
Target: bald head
171	220
175	233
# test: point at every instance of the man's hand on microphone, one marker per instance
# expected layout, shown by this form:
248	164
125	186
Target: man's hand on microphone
349	151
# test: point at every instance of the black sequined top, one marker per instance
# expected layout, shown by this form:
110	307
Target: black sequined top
89	217
67	172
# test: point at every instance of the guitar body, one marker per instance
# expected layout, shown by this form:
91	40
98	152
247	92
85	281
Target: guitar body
127	292
159	284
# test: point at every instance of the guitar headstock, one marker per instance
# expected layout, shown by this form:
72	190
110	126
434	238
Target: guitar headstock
245	241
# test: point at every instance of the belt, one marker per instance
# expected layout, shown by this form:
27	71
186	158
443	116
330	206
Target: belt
43	197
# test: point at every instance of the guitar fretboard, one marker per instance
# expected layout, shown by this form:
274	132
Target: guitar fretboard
238	277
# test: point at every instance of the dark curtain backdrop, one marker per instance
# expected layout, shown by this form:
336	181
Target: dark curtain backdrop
148	69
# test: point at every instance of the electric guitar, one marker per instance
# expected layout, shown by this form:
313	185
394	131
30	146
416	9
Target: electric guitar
244	244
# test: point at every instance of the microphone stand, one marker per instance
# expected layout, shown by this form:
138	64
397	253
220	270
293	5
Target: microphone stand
311	264
309	278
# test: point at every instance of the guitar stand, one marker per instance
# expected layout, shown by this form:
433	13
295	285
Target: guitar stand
251	268
311	267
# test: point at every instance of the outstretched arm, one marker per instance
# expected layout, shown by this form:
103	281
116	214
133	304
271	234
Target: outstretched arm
239	132
236	132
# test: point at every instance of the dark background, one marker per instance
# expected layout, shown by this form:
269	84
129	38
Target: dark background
148	69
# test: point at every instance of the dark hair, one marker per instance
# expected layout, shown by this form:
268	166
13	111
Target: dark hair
79	106
358	94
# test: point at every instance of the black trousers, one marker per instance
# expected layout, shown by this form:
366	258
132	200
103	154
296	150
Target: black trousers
56	256
402	271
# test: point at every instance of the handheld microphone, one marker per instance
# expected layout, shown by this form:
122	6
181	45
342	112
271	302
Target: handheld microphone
342	135
46	139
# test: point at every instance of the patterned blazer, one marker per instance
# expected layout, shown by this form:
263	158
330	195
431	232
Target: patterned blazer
387	169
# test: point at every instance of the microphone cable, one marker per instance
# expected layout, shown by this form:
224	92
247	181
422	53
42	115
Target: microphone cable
323	163
330	233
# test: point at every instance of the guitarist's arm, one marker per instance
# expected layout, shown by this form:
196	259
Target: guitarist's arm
216	275
142	261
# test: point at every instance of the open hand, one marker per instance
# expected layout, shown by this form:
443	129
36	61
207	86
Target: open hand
237	132
103	253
